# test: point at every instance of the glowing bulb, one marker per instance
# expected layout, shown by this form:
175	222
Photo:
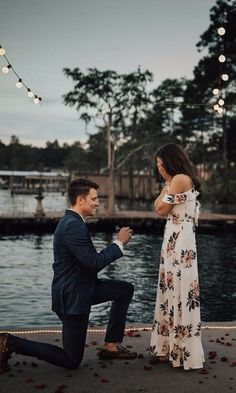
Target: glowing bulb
2	51
36	100
221	102
220	110
221	31
222	58
19	84
216	107
216	91
225	77
30	94
5	70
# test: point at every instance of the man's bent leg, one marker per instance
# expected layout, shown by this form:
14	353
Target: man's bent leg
120	293
74	331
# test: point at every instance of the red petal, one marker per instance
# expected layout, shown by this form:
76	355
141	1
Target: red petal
29	380
204	371
212	355
224	359
104	380
147	368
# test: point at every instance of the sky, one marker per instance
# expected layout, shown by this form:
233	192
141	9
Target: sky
42	37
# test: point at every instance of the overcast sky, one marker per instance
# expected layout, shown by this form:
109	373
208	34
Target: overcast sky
42	37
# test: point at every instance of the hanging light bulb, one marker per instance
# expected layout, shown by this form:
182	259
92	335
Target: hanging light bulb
221	102
36	100
220	110
216	91
5	69
221	30
225	77
222	58
30	93
216	107
19	84
2	51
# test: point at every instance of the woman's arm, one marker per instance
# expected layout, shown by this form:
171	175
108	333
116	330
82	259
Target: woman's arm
180	183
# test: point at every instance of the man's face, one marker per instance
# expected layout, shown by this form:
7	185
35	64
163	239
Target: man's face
89	204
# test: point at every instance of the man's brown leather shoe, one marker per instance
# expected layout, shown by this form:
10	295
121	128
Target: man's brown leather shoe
121	353
4	353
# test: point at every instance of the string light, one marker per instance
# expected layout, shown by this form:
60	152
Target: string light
2	51
20	82
221	102
216	92
102	330
222	58
218	107
221	30
225	77
5	69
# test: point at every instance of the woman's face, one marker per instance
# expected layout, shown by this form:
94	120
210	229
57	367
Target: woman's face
160	168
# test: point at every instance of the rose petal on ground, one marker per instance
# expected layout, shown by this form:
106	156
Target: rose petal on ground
212	355
204	371
104	380
61	387
40	386
147	368
224	359
29	380
94	343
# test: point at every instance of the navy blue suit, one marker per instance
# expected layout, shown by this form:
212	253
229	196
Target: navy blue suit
76	264
75	287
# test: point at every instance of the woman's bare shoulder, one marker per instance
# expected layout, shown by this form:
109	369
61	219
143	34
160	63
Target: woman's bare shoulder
180	183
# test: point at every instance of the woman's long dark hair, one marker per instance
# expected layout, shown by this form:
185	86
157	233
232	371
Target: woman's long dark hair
175	161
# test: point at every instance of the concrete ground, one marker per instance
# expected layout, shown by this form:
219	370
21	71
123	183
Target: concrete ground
219	374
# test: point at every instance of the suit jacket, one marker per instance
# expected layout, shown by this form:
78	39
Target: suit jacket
76	264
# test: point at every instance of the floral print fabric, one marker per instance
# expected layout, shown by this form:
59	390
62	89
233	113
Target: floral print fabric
176	327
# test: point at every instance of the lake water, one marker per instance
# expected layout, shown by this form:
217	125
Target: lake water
26	273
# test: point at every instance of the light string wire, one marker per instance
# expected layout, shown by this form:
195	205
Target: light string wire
20	82
102	330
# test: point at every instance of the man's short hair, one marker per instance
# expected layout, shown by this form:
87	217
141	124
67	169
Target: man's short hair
79	187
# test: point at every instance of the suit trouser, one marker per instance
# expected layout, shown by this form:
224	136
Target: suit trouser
74	328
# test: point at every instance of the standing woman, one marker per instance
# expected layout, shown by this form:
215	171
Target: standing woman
176	333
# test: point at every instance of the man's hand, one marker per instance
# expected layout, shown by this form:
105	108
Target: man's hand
124	235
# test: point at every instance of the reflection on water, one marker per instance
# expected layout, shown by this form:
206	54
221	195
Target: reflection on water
55	201
26	274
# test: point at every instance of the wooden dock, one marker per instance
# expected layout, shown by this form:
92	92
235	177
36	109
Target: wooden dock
140	221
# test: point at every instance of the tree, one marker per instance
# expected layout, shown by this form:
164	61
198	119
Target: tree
210	127
113	101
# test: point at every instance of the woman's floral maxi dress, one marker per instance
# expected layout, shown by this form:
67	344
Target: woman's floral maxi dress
177	326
